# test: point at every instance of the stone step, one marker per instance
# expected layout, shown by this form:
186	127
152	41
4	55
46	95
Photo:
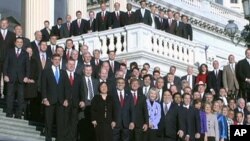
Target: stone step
11	137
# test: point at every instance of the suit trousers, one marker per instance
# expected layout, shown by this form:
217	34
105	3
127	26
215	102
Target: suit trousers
12	88
52	111
71	120
120	134
138	135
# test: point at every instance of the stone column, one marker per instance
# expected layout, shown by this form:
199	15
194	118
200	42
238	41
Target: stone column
123	4
75	5
36	12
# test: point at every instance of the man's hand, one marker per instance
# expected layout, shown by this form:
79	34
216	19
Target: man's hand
113	124
180	133
131	126
82	104
65	103
6	79
94	123
145	127
25	80
46	102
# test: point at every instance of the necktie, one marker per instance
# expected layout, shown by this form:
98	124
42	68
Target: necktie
135	99
103	16
68	25
121	99
48	30
4	34
71	79
97	62
90	88
18	52
170	22
112	66
57	75
216	73
145	91
117	15
79	23
43	61
166	109
129	14
90	23
232	68
68	54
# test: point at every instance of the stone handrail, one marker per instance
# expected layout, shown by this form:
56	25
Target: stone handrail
141	38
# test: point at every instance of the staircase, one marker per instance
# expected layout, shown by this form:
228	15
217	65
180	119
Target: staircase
12	129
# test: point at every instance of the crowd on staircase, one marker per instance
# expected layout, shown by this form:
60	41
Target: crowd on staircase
105	100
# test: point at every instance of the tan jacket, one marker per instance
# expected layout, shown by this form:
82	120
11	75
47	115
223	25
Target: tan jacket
230	81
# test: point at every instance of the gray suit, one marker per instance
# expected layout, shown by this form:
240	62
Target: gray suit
230	81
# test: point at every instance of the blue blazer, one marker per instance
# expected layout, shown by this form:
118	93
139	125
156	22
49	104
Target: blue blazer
154	112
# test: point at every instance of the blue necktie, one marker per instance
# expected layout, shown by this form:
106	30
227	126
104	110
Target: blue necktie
57	75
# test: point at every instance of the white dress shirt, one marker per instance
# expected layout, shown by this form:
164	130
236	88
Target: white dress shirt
142	12
87	79
118	92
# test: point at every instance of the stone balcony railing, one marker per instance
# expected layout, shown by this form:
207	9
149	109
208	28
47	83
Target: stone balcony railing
140	43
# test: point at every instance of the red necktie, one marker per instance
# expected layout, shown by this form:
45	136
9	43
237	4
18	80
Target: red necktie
71	79
68	54
68	25
129	14
17	53
121	99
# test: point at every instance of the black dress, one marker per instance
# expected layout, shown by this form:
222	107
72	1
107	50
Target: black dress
30	89
102	111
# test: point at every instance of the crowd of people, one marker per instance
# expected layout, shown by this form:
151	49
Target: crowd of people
105	100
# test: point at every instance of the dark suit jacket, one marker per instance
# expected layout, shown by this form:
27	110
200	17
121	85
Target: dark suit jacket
140	109
103	23
188	32
79	68
130	19
117	21
191	121
16	68
171	28
75	30
5	44
49	51
213	82
64	31
193	80
95	84
92	26
125	114
146	19
177	83
35	49
26	43
172	122
56	31
162	25
242	72
180	29
45	34
50	89
74	93
116	66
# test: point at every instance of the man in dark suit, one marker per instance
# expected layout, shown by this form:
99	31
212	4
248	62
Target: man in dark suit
129	15
171	22
75	98
141	111
56	28
117	17
188	31
155	19
52	47
143	15
190	77
103	19
90	86
91	22
16	72
65	28
54	98
214	79
191	119
79	26
46	31
68	49
171	125
146	85
243	75
78	64
19	33
162	25
7	39
96	62
160	86
35	43
114	65
180	29
60	51
124	109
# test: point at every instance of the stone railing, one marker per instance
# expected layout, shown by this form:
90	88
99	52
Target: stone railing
142	40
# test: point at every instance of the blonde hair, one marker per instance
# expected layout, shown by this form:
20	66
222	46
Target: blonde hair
151	90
